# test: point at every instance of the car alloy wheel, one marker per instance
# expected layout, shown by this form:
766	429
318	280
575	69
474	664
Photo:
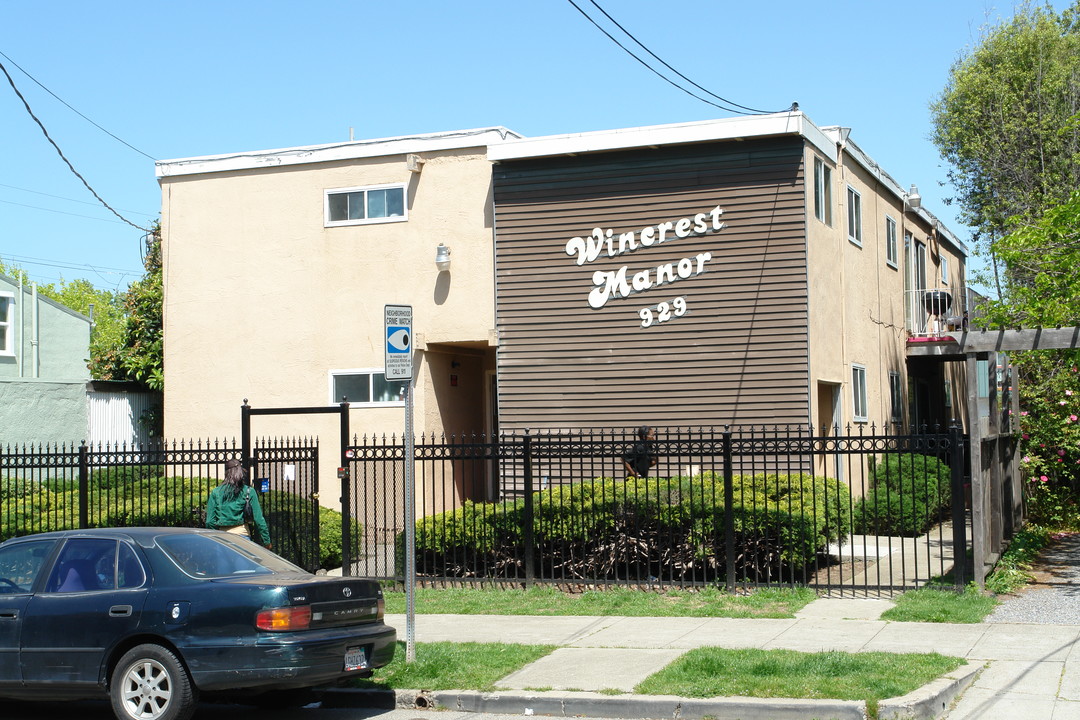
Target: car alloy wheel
150	683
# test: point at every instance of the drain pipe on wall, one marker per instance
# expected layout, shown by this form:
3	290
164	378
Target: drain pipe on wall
34	331
19	329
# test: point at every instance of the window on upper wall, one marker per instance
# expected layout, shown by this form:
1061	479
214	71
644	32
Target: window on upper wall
822	191
858	393
891	256
365	205
944	270
896	397
7	314
854	216
366	387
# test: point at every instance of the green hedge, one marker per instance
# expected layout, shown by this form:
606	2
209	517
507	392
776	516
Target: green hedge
131	497
909	494
672	526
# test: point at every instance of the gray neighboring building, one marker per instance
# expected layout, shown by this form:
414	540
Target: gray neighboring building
44	348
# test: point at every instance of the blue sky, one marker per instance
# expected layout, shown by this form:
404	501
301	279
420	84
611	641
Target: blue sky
183	79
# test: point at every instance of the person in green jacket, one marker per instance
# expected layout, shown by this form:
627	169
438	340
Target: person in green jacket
225	506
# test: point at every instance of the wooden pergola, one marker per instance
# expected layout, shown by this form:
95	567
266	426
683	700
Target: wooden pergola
997	509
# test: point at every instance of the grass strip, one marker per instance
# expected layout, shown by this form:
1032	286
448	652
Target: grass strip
941	605
718	672
454	666
546	600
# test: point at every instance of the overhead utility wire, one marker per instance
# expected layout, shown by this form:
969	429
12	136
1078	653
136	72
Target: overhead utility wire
631	36
61	153
120	140
61	197
657	72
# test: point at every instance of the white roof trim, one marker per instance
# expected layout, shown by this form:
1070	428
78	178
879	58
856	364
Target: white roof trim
856	153
334	151
776	124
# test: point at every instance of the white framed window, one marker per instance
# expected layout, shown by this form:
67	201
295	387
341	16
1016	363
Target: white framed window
854	216
822	191
858	393
896	397
944	270
7	323
365	205
366	387
891	256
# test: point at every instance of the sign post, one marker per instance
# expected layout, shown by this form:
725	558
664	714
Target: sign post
399	366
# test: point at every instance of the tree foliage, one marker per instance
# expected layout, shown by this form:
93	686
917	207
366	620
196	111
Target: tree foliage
140	355
1008	121
105	307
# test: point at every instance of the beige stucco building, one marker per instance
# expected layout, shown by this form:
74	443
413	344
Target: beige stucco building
758	270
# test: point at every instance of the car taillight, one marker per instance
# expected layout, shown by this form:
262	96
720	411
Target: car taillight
284	619
382	608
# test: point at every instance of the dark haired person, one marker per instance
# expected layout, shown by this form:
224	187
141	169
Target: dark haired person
641	456
225	507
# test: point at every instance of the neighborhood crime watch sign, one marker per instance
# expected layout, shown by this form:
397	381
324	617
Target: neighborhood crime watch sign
398	342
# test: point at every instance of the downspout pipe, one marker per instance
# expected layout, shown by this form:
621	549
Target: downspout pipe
34	331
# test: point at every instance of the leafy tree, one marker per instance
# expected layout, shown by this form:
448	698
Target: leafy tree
139	357
1008	121
104	306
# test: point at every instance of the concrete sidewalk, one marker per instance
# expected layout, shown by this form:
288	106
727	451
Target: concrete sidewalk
1015	671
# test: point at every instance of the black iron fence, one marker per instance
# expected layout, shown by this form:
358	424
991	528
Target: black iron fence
857	512
58	487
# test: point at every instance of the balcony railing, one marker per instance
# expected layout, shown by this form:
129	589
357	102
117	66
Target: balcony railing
933	312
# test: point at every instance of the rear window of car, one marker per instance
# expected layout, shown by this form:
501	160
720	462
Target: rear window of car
210	556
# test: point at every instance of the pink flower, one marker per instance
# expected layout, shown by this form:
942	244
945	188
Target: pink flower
1061	453
1068	392
1023	413
1026	436
1043	478
1073	418
1061	402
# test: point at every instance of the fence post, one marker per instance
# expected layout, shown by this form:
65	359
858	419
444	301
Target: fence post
84	486
528	536
245	435
344	461
729	511
956	461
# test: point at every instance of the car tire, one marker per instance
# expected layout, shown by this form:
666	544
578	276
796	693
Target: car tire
150	683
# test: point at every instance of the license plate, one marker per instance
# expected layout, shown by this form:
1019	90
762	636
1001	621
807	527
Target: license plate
355	659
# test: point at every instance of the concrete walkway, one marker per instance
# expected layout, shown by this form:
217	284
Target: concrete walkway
1015	671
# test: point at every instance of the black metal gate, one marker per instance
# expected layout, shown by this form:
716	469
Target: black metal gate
287	475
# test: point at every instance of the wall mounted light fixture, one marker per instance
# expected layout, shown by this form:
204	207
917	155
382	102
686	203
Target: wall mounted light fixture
913	200
442	257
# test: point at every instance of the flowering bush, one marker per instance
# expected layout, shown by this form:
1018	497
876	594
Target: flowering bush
1050	434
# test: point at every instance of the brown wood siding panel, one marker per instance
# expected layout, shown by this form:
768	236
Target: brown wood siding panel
738	355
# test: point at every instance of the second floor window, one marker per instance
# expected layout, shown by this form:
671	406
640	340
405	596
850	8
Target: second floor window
822	191
364	205
890	242
854	216
7	339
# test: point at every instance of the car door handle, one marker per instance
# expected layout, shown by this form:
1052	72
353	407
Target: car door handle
120	611
8	614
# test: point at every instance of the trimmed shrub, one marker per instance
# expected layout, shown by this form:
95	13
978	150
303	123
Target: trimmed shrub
660	527
909	494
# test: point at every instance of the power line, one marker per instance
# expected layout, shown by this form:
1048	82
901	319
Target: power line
114	137
61	153
59	212
744	111
642	46
70	266
61	197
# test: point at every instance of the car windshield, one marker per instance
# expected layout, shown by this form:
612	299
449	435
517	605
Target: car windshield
216	556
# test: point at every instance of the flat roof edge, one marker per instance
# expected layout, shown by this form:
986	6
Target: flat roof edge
751	126
478	137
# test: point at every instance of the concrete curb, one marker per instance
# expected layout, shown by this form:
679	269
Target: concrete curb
926	703
931	700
